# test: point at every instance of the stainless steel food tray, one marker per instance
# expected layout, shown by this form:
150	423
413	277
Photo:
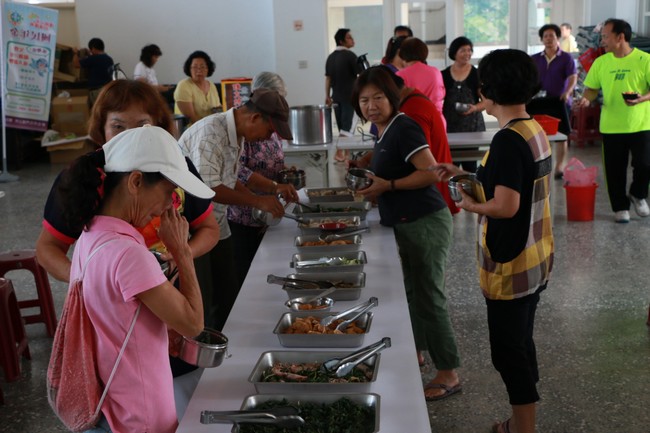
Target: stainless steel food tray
312	225
354	208
267	359
326	249
328	195
358	279
370	400
357	255
320	340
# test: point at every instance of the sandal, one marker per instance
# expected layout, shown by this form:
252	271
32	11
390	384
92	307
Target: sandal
501	427
449	391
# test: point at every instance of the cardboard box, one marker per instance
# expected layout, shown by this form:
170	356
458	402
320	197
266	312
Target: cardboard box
77	92
63	55
60	76
69	151
70	115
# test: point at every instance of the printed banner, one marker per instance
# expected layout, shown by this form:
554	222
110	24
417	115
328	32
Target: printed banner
29	48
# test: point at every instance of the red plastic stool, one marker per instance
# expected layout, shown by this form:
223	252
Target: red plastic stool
13	340
26	259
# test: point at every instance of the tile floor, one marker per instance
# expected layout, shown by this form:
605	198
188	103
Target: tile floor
592	340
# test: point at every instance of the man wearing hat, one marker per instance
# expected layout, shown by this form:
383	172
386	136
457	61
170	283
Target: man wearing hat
214	145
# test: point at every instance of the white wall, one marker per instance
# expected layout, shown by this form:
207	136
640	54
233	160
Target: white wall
243	37
623	9
238	35
305	86
67	32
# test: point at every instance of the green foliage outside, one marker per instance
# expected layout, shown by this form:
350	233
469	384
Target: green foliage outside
486	21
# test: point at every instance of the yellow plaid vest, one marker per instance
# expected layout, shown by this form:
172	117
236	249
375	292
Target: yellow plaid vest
532	267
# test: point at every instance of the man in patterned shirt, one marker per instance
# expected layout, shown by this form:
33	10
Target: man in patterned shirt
214	145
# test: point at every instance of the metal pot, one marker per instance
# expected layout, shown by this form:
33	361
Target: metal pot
296	177
206	350
181	123
310	124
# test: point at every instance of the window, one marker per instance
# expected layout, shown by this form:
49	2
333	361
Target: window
644	18
487	24
365	20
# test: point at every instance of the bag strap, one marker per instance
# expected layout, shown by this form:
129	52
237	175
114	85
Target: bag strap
126	339
117	362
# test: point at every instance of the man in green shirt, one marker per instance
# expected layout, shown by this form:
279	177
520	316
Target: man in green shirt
624	120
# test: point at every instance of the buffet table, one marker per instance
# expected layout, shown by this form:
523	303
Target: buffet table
260	305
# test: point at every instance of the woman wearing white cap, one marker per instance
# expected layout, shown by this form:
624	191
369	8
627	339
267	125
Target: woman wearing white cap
143	166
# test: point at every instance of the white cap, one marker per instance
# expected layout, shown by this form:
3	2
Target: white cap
151	149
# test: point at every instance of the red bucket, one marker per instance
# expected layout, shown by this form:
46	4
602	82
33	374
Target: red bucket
580	202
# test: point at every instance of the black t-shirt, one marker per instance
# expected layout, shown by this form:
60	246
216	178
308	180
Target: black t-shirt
193	209
390	160
510	163
98	67
342	68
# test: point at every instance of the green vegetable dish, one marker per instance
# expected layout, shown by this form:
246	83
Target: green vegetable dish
342	416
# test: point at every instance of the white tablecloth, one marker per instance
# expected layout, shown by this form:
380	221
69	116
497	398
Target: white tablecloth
260	305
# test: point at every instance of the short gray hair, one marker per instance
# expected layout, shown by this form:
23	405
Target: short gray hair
269	80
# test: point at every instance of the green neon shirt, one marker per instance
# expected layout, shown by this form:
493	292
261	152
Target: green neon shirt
614	76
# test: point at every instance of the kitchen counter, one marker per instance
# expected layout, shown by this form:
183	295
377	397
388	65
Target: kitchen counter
260	305
464	146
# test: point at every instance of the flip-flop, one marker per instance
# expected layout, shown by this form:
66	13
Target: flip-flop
449	391
501	427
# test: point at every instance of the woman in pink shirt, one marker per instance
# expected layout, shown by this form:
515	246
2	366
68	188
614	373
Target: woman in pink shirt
416	73
142	168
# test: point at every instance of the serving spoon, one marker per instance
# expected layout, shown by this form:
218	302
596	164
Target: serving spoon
325	237
320	295
328	261
306	284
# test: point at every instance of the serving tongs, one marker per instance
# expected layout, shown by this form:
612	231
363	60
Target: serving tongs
297	283
329	237
315	209
286	417
341	367
294	217
358	309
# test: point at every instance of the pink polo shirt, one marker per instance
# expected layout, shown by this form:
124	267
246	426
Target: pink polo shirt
428	80
141	396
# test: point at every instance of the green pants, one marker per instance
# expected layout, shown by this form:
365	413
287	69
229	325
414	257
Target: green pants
423	247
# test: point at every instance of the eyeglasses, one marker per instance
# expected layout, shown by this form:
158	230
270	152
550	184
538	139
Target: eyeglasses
199	68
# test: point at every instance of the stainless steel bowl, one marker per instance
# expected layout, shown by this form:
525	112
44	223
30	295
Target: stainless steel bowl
206	350
463	181
296	177
319	304
461	107
357	178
